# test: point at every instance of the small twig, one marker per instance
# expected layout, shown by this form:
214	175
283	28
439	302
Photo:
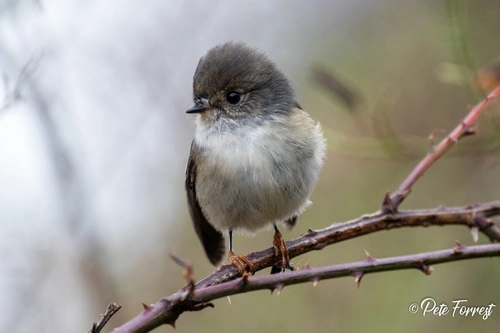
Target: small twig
168	309
24	76
460	131
187	272
110	311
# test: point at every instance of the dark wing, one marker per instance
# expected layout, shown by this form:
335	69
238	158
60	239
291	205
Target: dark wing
211	238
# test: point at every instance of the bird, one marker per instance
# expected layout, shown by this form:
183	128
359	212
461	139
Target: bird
256	154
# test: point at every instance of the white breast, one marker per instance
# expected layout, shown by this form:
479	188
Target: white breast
253	176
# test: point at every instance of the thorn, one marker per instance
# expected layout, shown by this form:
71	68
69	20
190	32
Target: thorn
310	233
425	269
472	206
459	248
357	278
442	208
229	299
146	307
475	233
279	288
172	324
369	258
306	267
315	281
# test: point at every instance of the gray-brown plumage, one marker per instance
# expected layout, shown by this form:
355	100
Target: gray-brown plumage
256	154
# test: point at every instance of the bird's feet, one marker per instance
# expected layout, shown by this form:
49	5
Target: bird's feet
280	249
241	262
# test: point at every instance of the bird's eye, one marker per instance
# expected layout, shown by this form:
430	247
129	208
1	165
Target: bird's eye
233	97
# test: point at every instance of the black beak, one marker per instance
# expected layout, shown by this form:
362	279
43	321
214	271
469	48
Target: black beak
197	109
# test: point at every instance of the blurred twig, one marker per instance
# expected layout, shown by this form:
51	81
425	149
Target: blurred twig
336	87
15	94
70	184
489	76
461	50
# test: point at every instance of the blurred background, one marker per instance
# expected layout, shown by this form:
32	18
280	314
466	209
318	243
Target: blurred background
94	141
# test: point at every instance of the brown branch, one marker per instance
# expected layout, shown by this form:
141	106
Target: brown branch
168	309
220	283
463	129
474	216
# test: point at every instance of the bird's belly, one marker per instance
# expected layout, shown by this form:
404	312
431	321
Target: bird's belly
249	200
243	187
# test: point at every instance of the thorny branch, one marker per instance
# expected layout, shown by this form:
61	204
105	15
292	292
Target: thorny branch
224	281
464	128
475	217
168	309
